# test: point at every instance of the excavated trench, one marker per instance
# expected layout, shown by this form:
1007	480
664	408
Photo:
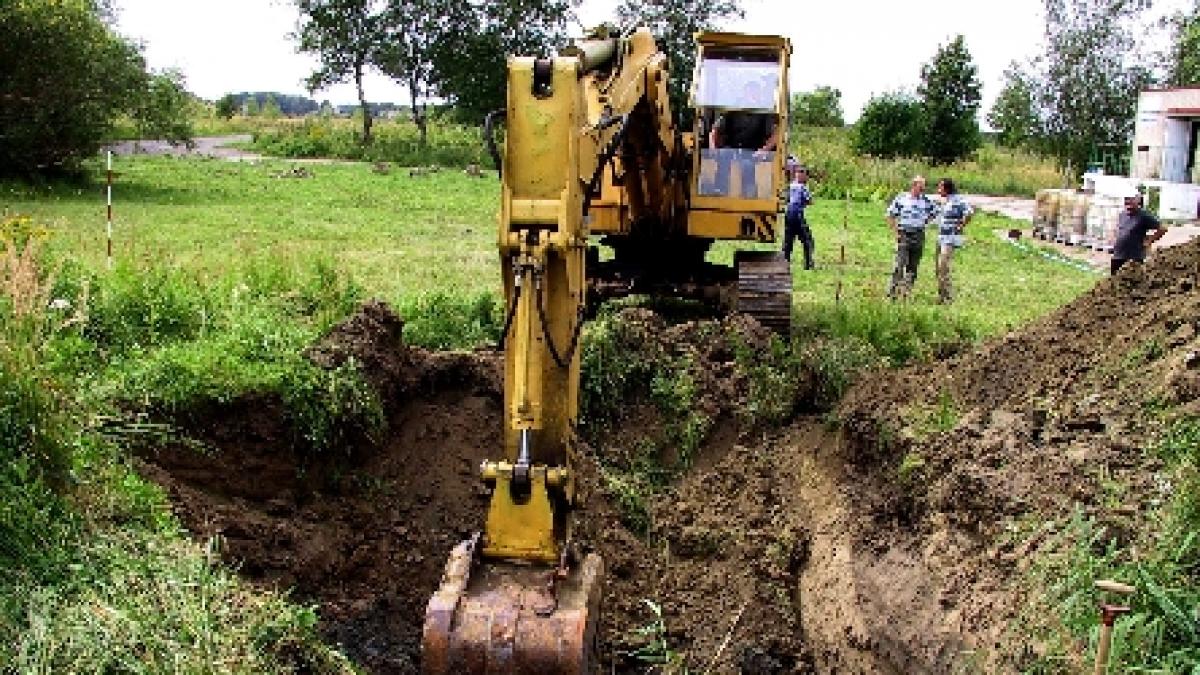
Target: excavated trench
727	557
801	548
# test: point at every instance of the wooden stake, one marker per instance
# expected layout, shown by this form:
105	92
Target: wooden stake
109	199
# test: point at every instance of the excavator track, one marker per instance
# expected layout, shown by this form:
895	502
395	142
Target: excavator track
764	289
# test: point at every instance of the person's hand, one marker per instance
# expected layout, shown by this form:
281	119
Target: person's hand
761	154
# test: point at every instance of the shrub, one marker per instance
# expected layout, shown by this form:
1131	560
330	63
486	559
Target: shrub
59	103
891	125
449	144
331	410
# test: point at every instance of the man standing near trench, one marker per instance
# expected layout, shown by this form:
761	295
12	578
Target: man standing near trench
1137	231
908	215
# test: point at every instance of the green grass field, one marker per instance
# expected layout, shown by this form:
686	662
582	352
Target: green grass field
402	237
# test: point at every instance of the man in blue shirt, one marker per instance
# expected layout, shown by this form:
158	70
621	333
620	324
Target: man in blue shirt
794	223
907	215
956	213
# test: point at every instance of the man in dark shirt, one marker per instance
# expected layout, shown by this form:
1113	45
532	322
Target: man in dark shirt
751	133
1137	230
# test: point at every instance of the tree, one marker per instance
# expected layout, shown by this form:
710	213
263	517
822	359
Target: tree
163	110
950	93
674	24
1090	76
1013	115
347	36
58	104
1183	64
413	28
470	70
226	106
251	108
891	125
821	107
271	109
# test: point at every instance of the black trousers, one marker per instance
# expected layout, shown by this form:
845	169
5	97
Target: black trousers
797	228
1116	264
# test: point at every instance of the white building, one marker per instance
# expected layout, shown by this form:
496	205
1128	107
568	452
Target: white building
1164	139
1165	148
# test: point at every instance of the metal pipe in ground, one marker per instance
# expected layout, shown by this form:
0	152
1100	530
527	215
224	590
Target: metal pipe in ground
1108	617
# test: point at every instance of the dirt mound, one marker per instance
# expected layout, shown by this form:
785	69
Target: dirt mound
945	459
361	538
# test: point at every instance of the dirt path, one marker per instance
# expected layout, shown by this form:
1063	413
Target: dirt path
205	146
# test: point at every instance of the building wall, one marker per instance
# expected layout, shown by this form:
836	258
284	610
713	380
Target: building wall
1150	127
1148	135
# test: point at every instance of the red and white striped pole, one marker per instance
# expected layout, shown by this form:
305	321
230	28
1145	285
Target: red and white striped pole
110	262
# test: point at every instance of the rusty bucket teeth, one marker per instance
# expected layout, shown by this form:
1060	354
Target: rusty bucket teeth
498	617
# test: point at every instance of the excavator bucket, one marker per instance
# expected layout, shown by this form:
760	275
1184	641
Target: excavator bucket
505	618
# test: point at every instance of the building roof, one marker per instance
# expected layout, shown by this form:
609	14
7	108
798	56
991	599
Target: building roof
1159	89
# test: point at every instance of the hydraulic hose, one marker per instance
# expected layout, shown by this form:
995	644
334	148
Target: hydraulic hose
489	136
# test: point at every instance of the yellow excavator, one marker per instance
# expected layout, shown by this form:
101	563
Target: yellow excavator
592	150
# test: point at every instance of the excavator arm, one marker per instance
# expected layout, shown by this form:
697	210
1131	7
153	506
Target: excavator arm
591	147
519	598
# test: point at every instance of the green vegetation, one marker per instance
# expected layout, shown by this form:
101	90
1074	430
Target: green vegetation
939	122
399	142
95	575
1161	634
655	650
838	171
821	107
59	104
1081	92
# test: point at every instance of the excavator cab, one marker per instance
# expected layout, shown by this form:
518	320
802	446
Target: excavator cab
740	98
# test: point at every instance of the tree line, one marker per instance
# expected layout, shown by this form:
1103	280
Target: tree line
456	51
1081	92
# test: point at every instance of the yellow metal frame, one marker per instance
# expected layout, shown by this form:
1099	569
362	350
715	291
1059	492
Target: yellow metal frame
561	116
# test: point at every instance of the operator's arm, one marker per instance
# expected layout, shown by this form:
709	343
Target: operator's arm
772	139
714	134
1153	236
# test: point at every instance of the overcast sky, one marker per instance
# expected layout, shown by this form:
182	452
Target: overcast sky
861	47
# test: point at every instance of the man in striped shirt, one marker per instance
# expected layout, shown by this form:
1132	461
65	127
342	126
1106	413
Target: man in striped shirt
956	213
907	215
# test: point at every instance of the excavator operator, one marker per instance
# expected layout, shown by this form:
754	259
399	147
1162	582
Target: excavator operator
751	134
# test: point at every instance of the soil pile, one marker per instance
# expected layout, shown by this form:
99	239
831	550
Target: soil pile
942	459
367	539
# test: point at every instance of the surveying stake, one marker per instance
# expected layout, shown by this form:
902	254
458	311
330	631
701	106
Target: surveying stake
109	194
837	298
